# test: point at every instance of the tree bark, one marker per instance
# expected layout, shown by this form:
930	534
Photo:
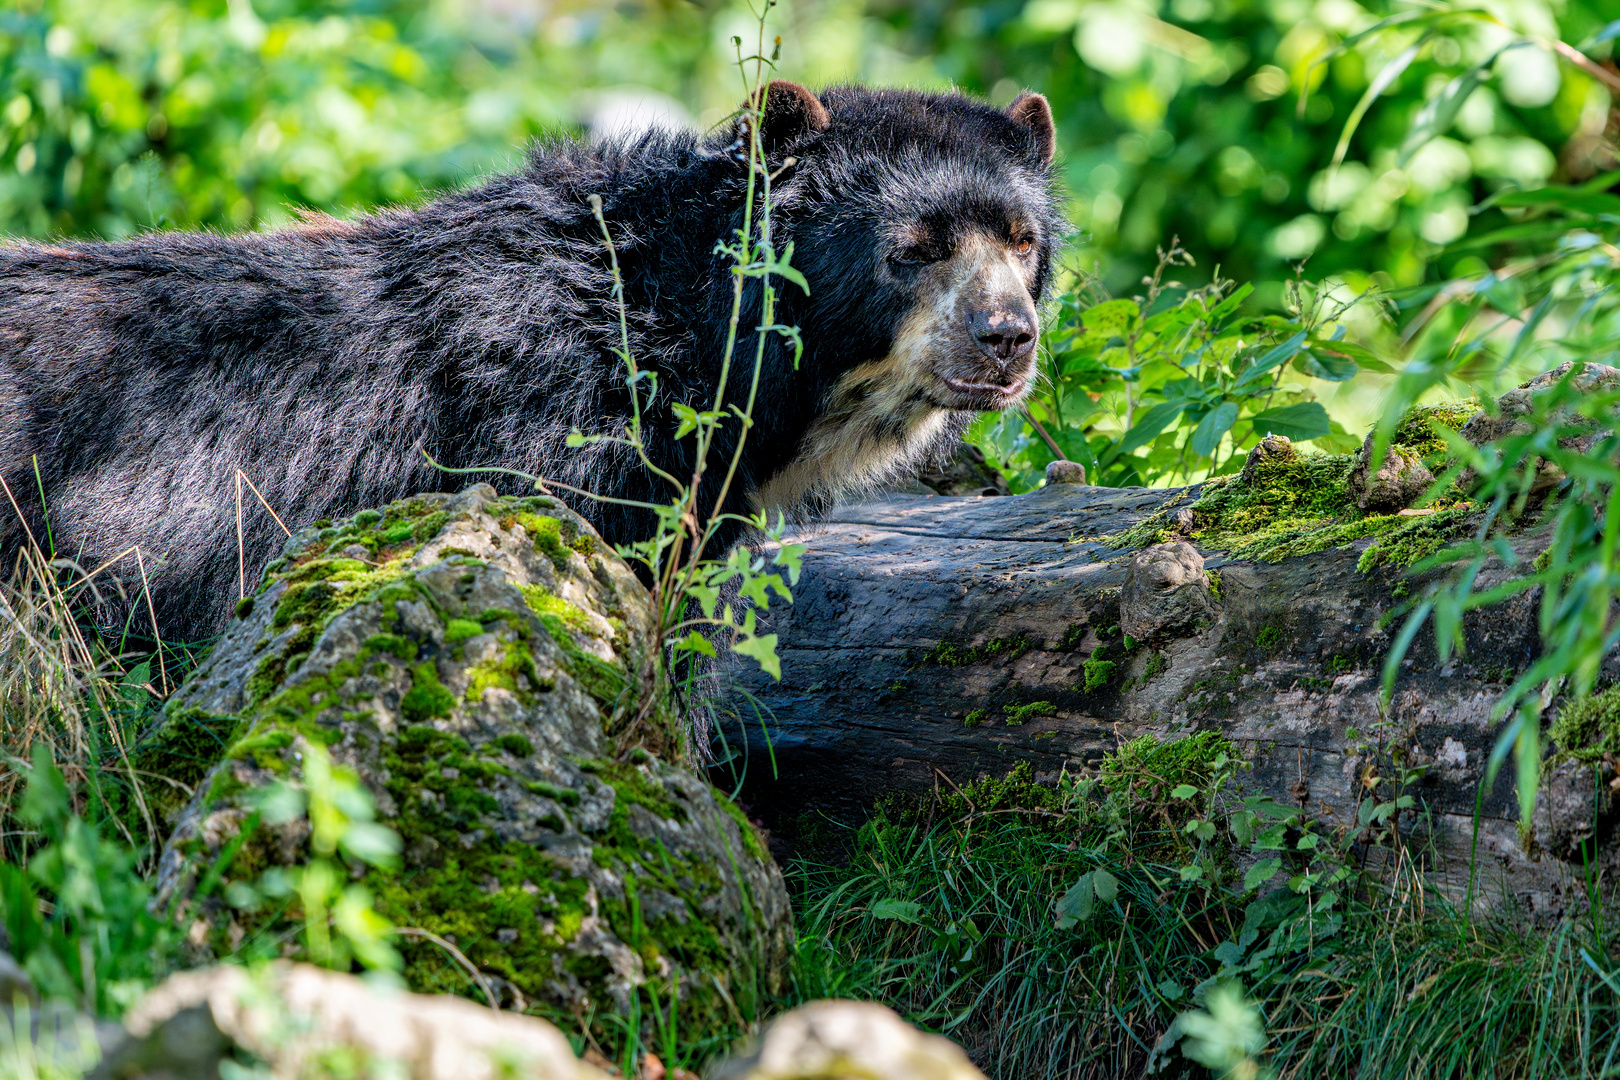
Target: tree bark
914	612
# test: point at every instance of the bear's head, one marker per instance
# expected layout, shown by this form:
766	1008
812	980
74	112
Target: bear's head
925	225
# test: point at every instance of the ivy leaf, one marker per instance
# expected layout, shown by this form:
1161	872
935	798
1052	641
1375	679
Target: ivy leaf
688	419
1299	422
761	648
1261	872
906	911
787	556
695	642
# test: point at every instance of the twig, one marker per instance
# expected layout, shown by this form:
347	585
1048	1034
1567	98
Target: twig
459	956
1041	431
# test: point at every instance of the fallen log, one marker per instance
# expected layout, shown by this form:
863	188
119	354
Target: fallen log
936	640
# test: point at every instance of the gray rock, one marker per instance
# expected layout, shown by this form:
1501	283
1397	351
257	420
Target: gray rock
481	672
1166	592
1398	483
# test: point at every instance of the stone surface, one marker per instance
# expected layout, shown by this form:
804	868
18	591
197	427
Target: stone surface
1065	472
1166	592
301	1019
847	1040
475	660
1396	484
912	613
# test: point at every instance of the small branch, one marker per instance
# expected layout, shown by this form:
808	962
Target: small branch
1039	430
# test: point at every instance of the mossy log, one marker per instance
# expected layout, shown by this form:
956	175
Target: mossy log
935	640
472	658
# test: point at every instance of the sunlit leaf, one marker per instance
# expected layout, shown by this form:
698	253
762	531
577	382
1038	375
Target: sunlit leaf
1299	422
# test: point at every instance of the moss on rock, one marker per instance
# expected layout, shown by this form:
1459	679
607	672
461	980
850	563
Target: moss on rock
1588	730
472	664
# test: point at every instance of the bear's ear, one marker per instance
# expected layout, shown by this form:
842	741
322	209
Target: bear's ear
791	110
1030	110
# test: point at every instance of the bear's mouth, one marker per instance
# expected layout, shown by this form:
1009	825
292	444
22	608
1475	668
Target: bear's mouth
987	395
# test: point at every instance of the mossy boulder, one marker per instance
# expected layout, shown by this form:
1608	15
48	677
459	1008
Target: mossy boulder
475	659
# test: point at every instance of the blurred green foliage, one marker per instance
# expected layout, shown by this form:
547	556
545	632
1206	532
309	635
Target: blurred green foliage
1182	118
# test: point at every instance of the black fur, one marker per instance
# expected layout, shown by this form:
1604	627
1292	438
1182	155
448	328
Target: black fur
141	374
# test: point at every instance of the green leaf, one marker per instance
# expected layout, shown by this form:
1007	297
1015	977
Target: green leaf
1438	113
1277	357
906	911
696	643
1112	318
1104	886
1212	428
761	648
1075	905
1323	364
1261	872
1149	424
1299	422
1183	791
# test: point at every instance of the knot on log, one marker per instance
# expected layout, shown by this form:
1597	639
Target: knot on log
1165	592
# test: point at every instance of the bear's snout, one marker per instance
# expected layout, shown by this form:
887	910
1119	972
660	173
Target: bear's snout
1005	335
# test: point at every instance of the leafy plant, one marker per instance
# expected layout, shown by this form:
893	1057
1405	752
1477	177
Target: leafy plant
339	923
75	915
1174	384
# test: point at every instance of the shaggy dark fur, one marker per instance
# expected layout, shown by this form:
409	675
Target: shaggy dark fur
141	374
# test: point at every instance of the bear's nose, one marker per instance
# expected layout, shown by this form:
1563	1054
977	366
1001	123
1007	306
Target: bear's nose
1002	335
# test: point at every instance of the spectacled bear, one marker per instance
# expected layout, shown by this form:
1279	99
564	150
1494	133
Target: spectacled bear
481	326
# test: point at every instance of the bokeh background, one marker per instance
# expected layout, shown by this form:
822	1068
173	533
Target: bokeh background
1217	122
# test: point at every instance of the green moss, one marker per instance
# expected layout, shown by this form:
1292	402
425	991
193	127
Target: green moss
1157	665
182	750
1415	539
551	537
427	697
1304	504
1147	766
514	744
460	630
1588	729
1005	649
1097	670
975	717
1269	639
1021	714
1419	429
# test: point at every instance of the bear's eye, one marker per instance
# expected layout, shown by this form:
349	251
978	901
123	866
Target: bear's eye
1023	245
909	257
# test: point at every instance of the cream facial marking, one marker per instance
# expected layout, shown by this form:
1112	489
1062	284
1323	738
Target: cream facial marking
966	347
